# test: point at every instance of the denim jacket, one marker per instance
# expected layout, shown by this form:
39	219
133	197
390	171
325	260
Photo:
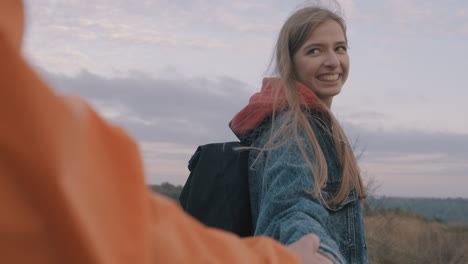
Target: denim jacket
283	208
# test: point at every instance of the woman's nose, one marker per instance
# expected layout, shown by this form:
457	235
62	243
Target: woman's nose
331	60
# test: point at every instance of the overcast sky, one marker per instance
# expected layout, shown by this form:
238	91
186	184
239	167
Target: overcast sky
174	73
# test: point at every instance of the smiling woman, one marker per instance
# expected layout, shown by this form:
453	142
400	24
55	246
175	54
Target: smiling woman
303	175
322	63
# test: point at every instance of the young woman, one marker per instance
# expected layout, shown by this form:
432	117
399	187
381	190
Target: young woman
303	175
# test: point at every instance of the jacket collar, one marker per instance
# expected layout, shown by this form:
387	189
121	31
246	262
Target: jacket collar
262	105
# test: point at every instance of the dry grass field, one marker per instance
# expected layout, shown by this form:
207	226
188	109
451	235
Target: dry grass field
395	236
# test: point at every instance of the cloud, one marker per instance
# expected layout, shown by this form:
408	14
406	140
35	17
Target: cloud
372	115
407	11
123	34
61	58
154	37
349	8
73	32
463	29
417	174
168	117
180	110
419	17
102	24
406	142
249	6
422	163
166	162
242	24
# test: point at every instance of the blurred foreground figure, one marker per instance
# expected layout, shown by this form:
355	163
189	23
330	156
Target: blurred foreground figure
72	188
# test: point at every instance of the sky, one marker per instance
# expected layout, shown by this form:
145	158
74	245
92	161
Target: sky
174	73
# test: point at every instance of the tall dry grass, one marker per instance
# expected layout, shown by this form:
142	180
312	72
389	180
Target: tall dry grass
395	236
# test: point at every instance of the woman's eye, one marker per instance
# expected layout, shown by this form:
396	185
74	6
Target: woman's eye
341	48
313	51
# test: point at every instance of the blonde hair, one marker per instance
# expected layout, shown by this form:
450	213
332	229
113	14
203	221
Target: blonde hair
294	33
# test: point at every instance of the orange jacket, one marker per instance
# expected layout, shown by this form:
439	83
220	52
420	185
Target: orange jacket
72	188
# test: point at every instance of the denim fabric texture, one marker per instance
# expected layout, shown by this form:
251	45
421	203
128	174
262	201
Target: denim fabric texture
283	208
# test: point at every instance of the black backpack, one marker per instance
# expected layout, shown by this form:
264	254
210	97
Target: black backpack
217	192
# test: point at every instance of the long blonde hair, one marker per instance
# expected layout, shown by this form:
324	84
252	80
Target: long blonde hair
294	33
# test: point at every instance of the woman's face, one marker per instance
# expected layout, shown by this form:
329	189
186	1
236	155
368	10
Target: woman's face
322	62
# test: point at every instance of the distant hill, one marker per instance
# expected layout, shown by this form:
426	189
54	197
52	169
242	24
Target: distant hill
448	210
168	190
443	210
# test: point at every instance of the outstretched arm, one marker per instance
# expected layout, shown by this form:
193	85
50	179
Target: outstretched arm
72	187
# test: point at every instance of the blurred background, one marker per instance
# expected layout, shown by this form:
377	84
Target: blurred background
174	73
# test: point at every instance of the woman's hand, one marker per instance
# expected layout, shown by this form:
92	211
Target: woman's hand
307	249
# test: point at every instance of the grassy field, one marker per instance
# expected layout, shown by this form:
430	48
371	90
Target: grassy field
395	236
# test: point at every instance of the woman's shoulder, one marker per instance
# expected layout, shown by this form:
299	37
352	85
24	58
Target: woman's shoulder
281	125
269	127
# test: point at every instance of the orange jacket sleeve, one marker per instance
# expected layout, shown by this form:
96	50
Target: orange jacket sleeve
72	187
